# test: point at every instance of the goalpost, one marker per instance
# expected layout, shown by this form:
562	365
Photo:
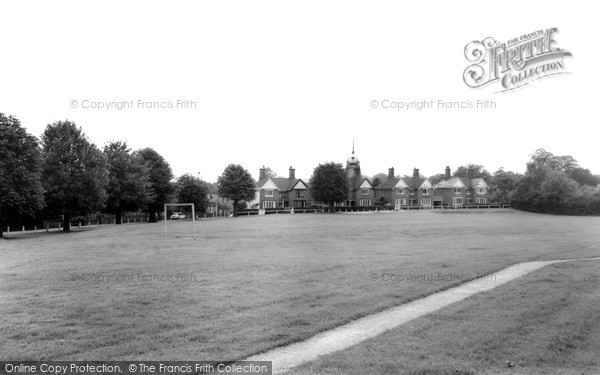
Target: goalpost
181	204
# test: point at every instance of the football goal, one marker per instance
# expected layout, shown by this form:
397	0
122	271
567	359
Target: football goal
180	212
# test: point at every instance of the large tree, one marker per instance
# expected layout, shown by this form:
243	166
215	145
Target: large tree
160	180
128	186
556	184
503	185
329	185
74	172
237	184
583	176
21	192
191	189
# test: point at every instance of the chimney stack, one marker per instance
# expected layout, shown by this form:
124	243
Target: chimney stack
470	173
416	173
292	173
447	172
262	174
391	172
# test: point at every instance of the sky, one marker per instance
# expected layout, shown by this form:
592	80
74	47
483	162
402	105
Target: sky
283	84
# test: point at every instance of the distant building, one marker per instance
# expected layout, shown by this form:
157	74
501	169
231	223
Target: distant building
399	192
279	192
406	191
458	191
215	203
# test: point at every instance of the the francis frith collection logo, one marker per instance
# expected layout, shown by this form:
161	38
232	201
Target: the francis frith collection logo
514	63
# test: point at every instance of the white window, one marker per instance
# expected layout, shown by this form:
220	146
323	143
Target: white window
425	201
268	192
364	191
269	204
481	190
281	203
299	193
481	200
457	201
457	190
401	191
365	202
425	191
400	201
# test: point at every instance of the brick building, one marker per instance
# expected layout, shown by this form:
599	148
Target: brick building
458	191
280	192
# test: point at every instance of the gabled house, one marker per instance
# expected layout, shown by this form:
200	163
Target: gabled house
279	192
414	191
362	194
406	191
458	191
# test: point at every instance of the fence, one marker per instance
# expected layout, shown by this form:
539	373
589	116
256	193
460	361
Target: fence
57	225
270	211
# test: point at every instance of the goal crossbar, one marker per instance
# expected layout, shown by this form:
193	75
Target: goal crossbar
181	204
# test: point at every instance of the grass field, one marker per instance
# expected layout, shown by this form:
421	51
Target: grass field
544	323
249	284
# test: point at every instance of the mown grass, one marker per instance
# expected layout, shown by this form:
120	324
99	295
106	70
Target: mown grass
544	323
259	282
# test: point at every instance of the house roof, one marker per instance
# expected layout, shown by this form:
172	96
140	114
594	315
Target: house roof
282	183
414	182
468	183
388	184
411	182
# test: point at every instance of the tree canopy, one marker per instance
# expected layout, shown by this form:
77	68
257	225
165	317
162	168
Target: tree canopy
128	186
328	184
237	184
551	185
74	172
191	189
160	176
503	185
21	192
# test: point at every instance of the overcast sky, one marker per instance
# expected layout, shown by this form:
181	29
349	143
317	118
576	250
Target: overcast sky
291	83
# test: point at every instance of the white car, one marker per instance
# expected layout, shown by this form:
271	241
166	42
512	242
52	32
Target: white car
177	216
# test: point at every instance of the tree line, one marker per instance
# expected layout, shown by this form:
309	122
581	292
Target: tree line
64	174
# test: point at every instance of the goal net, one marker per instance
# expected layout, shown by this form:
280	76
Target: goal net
180	220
